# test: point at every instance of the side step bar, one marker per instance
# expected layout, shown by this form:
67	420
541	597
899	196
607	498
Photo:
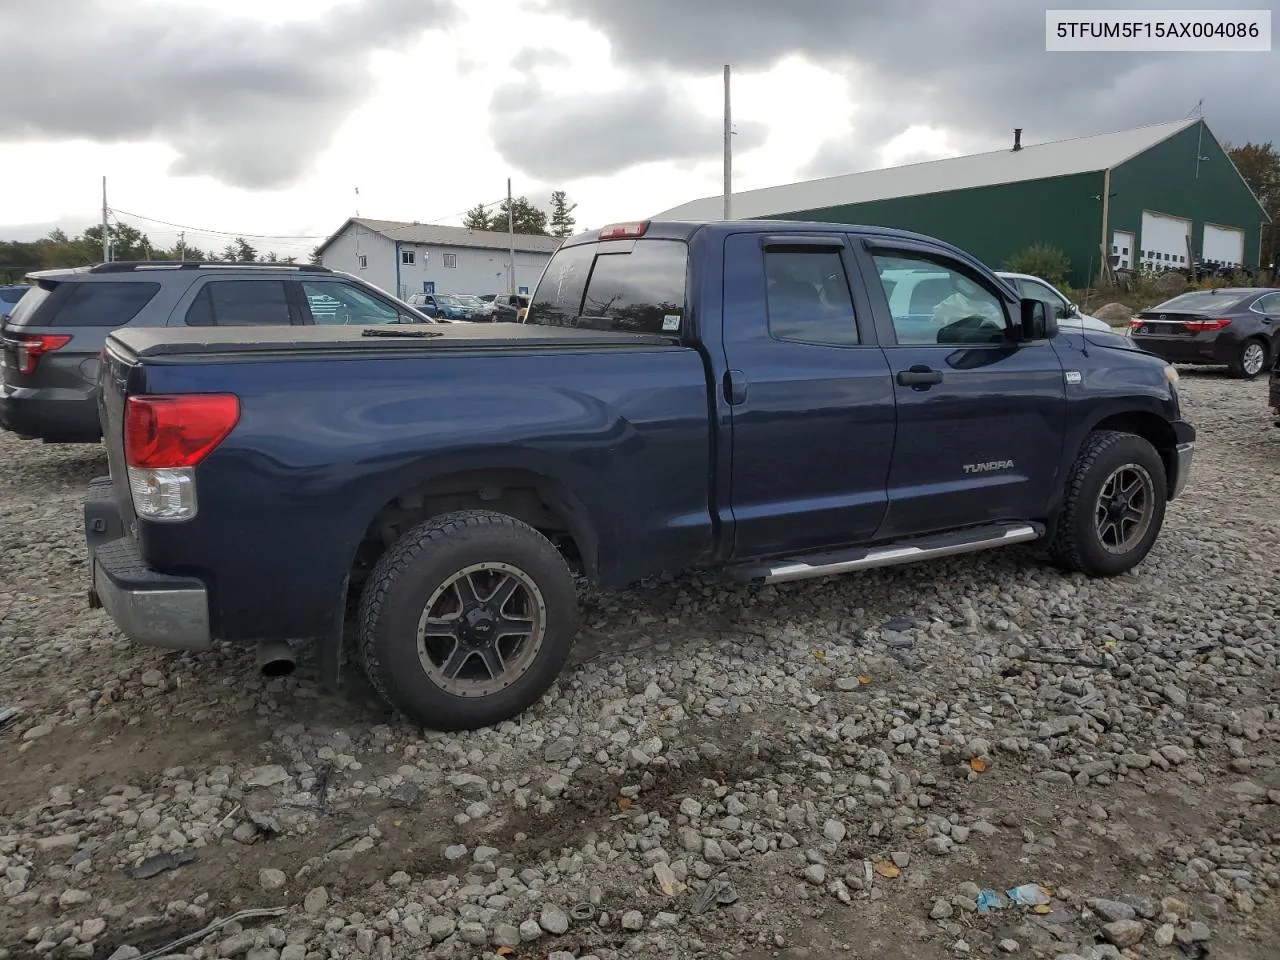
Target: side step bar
887	555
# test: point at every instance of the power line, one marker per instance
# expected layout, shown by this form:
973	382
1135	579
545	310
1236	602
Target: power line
226	233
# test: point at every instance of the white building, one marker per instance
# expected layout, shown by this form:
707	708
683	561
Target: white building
407	258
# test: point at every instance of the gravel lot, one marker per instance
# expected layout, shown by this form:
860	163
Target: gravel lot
831	768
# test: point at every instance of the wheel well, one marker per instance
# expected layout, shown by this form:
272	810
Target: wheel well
543	503
1152	428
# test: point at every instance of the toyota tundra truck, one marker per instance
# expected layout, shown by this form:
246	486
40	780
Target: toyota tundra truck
745	397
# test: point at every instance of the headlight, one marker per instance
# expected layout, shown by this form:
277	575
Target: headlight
1171	373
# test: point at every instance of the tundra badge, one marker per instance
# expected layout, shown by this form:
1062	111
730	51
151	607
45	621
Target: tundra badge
988	466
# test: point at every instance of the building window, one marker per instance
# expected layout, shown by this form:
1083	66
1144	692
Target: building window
450	259
364	263
407	257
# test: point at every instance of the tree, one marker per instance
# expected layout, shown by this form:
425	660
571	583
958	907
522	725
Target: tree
478	218
562	221
244	252
127	243
526	218
1041	260
1259	164
315	259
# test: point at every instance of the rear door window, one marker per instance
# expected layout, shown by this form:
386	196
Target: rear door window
627	287
241	303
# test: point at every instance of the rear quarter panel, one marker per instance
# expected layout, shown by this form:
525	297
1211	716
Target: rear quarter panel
324	443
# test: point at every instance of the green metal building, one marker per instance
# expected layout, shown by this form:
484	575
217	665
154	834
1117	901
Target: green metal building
1143	197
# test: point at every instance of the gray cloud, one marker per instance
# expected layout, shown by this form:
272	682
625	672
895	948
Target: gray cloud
248	103
557	137
531	58
975	70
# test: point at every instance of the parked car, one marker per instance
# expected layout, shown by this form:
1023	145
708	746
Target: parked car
10	294
51	341
1236	326
509	307
446	306
480	309
1069	314
445	480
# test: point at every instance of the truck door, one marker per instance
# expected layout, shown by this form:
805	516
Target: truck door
981	416
809	395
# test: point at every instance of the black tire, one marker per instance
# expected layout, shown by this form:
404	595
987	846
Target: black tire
1077	543
423	562
1243	366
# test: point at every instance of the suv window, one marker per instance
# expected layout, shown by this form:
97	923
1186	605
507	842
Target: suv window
807	293
633	288
942	304
105	304
240	303
22	314
332	301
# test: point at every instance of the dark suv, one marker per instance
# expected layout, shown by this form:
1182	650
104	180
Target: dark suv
49	344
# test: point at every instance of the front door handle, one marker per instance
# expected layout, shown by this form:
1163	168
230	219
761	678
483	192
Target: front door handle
735	387
919	377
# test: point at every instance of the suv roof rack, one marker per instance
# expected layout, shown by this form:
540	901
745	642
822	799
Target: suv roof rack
128	266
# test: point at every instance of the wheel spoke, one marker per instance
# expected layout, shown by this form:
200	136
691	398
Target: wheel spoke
440	627
1105	529
1129	482
465	587
457	660
514	627
502	593
493	662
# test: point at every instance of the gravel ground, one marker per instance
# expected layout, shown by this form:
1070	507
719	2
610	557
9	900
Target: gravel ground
860	767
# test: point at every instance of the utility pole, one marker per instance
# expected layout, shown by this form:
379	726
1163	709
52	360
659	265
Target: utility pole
106	236
511	233
182	245
728	150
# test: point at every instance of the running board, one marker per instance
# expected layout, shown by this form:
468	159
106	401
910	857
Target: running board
887	555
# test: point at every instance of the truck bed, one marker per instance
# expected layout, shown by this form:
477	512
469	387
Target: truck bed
160	342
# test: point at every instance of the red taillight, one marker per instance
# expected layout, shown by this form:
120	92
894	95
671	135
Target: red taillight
620	231
1135	323
177	431
31	347
1198	326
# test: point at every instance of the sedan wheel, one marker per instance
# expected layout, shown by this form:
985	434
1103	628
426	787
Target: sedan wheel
1252	360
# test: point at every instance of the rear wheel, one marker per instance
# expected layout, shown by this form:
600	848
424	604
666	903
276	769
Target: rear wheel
1251	360
467	620
1113	507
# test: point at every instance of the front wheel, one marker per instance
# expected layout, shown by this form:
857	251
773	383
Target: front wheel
1113	506
1251	359
467	620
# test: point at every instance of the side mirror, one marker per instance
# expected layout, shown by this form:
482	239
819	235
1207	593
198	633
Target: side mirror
1036	323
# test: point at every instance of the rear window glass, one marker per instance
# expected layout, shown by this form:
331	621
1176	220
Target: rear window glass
106	304
22	313
1201	300
12	294
240	303
628	288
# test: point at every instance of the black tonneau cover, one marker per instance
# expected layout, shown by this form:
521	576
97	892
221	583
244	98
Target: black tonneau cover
162	342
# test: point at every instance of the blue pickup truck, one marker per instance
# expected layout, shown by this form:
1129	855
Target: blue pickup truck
772	400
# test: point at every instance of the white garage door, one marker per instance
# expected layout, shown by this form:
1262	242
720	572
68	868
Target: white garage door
1163	243
1223	246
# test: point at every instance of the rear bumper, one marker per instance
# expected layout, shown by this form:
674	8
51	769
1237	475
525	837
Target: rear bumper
28	414
1189	349
150	608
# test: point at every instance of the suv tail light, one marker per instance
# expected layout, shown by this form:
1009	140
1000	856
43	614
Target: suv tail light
165	437
1198	326
32	346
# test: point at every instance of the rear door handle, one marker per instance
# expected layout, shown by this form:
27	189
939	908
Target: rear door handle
920	377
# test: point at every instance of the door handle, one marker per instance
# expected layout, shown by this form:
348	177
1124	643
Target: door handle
919	377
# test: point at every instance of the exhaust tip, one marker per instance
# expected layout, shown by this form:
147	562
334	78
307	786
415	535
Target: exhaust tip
276	659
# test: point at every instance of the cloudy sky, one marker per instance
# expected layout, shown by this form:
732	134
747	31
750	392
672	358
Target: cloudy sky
264	116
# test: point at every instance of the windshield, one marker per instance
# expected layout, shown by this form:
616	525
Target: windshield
1202	301
471	301
447	301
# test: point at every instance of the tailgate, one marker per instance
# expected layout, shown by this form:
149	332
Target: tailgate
1167	324
113	380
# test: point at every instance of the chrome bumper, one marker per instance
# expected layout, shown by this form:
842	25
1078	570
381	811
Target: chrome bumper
173	619
1183	454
